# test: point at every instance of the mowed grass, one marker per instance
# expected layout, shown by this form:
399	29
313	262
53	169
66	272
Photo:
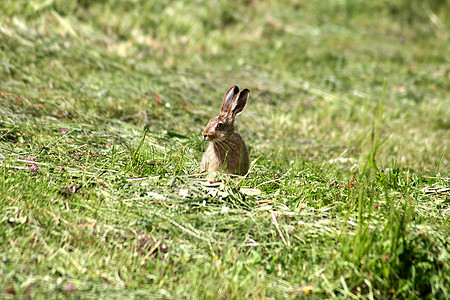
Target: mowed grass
101	108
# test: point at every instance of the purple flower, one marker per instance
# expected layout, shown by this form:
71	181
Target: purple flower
63	130
34	168
29	159
69	287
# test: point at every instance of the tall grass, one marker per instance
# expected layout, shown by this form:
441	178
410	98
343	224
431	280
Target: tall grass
102	106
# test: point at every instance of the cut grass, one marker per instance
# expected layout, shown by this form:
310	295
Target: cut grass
102	105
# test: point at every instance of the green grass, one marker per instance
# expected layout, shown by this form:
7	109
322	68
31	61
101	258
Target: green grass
101	108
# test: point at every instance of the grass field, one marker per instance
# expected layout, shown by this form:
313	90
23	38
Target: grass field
102	105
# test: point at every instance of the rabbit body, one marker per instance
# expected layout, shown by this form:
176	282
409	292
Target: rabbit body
230	156
227	151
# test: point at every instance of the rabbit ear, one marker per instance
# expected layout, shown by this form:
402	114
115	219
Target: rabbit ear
239	102
229	95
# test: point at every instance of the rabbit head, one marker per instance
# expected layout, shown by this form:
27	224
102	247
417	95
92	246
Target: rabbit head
222	127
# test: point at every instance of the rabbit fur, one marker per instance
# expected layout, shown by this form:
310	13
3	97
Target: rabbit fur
227	151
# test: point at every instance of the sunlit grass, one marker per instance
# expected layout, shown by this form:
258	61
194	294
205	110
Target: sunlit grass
101	109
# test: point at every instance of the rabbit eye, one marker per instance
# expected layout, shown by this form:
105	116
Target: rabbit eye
219	126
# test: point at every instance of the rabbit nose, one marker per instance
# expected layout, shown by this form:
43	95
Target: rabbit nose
204	137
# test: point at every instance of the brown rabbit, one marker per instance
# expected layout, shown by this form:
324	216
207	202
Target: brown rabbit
227	151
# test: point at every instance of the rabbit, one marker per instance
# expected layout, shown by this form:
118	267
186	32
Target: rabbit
227	151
